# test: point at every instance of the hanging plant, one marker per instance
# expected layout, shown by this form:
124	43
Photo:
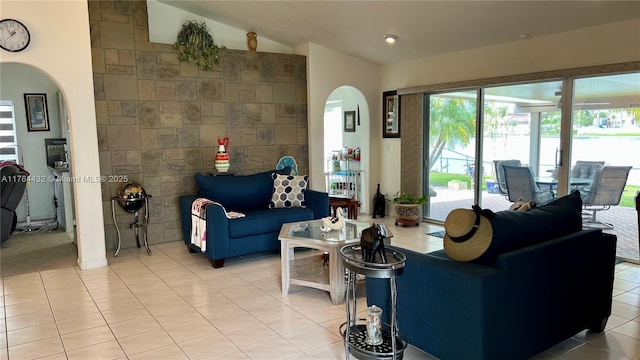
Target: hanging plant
195	42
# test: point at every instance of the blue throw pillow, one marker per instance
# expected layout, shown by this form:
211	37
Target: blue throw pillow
239	192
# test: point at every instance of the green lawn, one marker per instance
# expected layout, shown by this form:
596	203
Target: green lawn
442	179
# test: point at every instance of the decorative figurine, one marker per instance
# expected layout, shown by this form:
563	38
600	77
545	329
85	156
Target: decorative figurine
372	241
374	332
222	157
333	223
378	204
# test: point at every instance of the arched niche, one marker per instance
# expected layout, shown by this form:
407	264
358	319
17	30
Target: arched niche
349	98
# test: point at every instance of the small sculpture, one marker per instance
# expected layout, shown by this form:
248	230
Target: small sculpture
372	241
333	223
378	204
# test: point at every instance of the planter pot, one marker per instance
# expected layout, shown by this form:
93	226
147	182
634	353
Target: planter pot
408	214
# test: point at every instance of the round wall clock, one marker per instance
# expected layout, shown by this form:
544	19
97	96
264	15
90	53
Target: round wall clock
14	36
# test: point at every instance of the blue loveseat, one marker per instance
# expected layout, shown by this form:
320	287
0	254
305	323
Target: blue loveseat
515	306
250	195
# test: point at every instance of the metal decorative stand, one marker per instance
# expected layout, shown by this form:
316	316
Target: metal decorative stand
136	225
354	331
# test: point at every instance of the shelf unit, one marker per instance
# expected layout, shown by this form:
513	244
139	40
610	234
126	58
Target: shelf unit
345	183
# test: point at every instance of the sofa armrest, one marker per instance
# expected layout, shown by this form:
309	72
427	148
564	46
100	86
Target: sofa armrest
317	201
440	300
217	228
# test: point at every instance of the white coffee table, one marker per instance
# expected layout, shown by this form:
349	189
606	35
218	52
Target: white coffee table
309	270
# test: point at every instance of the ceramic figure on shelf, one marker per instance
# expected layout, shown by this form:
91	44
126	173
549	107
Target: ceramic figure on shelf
333	223
252	41
222	157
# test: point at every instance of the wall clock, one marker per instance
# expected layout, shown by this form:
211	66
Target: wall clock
14	36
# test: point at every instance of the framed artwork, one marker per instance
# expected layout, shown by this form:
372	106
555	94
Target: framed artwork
349	121
390	114
37	112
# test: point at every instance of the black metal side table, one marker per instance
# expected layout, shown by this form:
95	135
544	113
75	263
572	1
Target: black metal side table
354	331
136	225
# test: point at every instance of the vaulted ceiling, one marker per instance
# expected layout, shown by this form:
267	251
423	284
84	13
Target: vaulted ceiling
424	28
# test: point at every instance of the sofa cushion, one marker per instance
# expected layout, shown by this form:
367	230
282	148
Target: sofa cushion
514	229
288	191
239	192
266	220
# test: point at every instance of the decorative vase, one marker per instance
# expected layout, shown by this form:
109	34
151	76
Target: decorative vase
374	332
408	214
222	157
252	41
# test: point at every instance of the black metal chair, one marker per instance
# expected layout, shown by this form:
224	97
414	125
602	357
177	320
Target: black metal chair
14	183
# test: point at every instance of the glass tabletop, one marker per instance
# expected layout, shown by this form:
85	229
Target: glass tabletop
311	230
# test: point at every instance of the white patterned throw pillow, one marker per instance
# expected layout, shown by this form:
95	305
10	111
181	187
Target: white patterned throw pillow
288	191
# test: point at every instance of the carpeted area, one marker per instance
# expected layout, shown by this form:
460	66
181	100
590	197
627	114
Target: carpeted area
38	251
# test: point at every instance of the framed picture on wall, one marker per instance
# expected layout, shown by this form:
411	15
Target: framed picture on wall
390	114
37	112
349	121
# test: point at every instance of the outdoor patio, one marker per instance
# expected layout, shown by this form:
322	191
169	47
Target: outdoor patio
624	218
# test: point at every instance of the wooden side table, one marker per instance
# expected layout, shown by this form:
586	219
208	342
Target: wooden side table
351	205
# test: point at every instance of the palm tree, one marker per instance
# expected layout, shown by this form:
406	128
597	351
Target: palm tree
452	123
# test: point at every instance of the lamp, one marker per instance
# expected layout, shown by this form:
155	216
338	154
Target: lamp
390	39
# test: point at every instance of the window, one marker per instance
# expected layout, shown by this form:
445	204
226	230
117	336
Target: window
8	140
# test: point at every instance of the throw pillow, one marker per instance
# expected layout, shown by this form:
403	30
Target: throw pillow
288	191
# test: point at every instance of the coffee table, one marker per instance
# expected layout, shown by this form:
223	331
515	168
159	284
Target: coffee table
310	271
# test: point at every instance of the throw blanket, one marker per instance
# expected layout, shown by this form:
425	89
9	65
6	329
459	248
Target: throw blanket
199	221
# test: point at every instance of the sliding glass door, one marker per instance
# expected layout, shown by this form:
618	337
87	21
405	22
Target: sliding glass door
451	137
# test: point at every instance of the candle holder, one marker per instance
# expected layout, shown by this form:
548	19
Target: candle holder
374	332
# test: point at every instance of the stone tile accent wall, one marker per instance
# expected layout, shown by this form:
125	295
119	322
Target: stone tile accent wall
411	110
159	119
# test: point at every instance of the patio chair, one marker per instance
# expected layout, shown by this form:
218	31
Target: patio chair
605	191
499	170
584	170
522	186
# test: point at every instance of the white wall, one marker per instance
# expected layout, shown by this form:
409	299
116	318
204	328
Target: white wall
165	22
328	70
607	44
60	47
18	79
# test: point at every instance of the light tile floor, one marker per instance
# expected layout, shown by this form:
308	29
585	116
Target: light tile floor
174	305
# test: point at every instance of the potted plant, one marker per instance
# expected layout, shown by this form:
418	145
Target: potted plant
195	42
408	208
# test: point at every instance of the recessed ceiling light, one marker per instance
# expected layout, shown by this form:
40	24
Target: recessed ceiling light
390	39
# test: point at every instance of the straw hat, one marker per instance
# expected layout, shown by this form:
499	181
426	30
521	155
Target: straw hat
468	234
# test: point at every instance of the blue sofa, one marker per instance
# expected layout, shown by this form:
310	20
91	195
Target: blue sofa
519	304
258	230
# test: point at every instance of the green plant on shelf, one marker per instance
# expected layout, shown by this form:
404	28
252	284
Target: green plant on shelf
195	42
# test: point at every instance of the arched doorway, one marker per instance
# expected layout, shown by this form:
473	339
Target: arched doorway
45	233
347	124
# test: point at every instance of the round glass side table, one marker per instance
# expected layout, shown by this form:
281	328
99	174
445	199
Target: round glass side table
354	330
